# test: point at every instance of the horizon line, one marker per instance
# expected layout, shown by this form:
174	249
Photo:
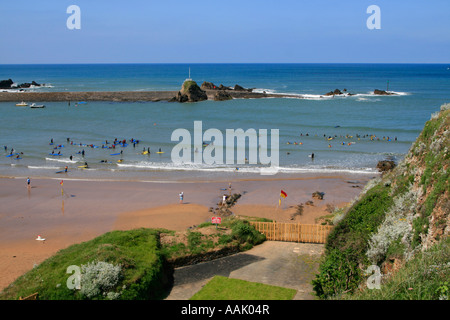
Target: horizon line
198	63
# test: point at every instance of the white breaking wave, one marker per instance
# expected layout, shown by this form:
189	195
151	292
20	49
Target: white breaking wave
239	168
61	160
309	96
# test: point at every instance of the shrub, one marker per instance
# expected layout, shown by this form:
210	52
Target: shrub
245	233
100	279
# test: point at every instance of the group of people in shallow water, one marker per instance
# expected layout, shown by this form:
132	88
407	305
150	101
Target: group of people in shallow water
12	152
116	142
372	137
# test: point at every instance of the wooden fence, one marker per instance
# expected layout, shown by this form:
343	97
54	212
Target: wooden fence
30	297
294	232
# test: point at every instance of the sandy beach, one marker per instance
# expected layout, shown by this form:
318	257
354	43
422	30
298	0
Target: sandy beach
83	210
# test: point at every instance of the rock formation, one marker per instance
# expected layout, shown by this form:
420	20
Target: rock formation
222	95
208	86
382	92
9	84
6	84
385	165
336	92
190	92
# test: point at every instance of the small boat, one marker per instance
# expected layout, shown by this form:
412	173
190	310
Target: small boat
37	106
22	104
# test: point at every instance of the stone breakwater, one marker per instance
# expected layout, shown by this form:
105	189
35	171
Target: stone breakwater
87	96
122	96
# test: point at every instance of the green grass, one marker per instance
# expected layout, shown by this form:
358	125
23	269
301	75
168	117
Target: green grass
136	251
223	288
243	237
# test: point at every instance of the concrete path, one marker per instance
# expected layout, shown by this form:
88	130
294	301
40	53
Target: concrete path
284	264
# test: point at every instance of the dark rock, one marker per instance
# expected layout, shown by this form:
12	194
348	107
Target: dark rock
239	88
28	85
222	87
180	97
6	84
336	92
190	92
319	195
385	165
208	86
222	96
382	92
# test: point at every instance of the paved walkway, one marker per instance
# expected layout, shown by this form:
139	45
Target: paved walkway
284	264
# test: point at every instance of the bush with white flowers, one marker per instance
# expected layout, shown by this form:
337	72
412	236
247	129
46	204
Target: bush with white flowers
100	278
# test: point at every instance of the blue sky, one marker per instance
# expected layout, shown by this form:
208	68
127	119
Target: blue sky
171	31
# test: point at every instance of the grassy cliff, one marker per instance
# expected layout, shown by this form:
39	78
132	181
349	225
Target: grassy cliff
398	222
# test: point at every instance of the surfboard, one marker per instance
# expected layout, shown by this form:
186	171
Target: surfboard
17	158
55	154
145	152
82	166
10	155
160	152
114	154
62	171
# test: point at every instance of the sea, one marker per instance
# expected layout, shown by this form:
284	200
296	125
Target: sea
348	133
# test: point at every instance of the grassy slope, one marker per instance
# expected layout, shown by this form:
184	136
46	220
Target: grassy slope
145	272
404	213
136	251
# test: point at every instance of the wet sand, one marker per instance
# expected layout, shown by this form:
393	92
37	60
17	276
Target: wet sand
87	209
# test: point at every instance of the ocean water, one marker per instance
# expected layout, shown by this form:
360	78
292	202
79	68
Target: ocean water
364	128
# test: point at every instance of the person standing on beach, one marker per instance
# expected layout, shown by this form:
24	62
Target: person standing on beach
28	183
181	197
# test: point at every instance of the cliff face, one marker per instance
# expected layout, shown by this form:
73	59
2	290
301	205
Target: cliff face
427	165
402	213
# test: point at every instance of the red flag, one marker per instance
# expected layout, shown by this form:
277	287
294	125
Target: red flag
283	194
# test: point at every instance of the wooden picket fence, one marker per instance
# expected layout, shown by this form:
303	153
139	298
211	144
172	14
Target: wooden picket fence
293	232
